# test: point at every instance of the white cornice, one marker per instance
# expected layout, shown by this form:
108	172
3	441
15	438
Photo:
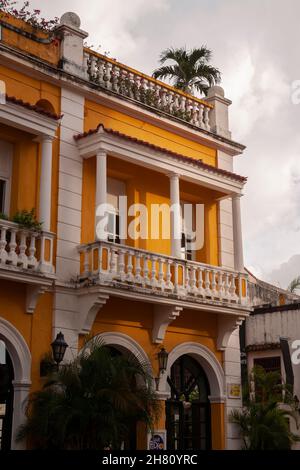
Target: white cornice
27	120
156	160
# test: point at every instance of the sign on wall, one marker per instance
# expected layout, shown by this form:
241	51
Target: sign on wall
234	390
157	440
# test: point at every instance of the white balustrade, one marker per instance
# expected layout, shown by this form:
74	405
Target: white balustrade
138	87
157	273
19	247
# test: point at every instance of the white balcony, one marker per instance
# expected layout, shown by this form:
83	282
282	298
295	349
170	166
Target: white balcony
124	267
25	252
121	80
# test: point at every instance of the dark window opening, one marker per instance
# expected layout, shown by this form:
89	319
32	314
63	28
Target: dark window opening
2	195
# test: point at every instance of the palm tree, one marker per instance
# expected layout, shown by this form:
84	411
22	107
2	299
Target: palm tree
90	402
264	425
191	70
294	285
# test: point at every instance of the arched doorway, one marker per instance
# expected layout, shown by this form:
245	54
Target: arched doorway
188	409
130	440
6	397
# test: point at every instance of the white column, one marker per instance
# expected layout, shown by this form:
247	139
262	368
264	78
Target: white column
101	187
45	183
237	233
175	216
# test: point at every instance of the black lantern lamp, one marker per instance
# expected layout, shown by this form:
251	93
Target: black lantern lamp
163	360
59	347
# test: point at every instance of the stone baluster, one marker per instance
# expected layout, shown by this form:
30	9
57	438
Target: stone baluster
193	280
143	90
22	258
158	95
176	103
187	278
176	277
164	101
220	285
137	88
201	110
93	72
227	286
189	109
12	255
129	277
153	280
171	101
131	85
195	114
146	270
3	243
200	282
206	118
161	282
183	104
115	78
107	76
113	260
207	283
152	95
32	261
123	82
169	284
101	67
121	265
214	292
233	295
138	278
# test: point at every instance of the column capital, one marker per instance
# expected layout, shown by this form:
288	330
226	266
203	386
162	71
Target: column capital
216	399
44	138
173	175
237	195
101	153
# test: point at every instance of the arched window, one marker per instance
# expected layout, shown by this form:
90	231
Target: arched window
188	410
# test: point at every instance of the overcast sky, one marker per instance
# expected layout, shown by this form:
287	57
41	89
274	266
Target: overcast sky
256	46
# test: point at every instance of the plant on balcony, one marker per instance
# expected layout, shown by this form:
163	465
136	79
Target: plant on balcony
3	216
263	422
27	219
90	402
191	71
31	17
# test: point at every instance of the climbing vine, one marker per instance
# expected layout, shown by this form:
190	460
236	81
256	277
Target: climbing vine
33	17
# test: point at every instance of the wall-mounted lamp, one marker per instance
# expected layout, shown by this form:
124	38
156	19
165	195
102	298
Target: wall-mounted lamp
59	347
162	360
162	364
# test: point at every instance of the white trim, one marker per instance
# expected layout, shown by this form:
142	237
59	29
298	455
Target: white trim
27	120
127	343
208	361
156	160
21	359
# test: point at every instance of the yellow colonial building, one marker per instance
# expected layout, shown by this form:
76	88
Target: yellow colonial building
79	130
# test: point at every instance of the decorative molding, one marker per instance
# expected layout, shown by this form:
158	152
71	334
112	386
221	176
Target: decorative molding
155	160
206	359
89	305
27	120
226	326
163	315
21	359
33	293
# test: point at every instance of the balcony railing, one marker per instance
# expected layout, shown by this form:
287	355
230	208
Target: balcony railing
126	82
122	266
25	250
